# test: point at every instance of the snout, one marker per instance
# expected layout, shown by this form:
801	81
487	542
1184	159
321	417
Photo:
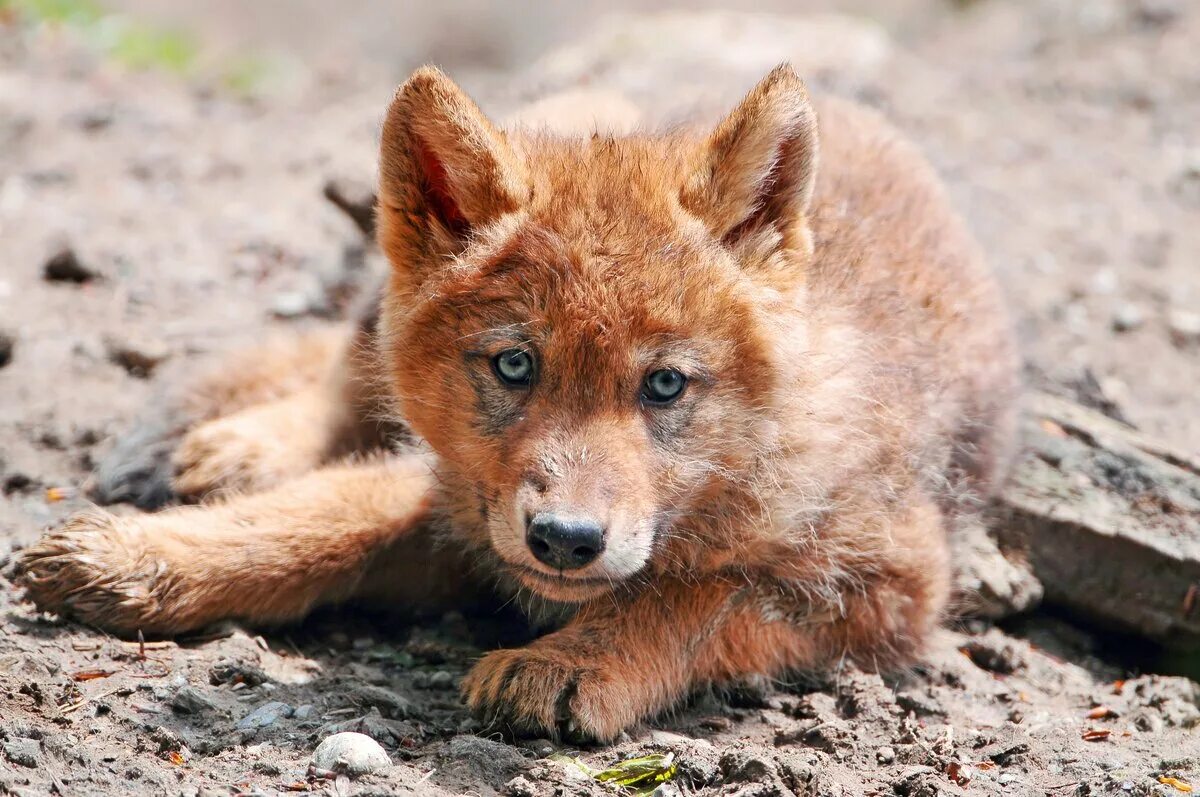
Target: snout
564	542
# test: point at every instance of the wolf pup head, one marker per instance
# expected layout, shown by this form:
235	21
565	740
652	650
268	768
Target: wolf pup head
583	329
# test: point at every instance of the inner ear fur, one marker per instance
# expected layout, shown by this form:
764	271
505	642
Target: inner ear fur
755	173
445	170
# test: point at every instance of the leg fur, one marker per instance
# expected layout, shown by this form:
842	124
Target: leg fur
260	446
265	558
620	661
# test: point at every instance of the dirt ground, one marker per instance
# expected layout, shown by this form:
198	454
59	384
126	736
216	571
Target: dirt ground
1068	132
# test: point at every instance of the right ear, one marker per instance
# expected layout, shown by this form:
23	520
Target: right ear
445	171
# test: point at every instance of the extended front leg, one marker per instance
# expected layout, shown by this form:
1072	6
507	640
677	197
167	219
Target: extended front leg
621	660
265	558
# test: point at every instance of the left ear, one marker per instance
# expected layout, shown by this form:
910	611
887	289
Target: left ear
755	173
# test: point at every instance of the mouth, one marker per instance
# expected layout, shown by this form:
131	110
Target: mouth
561	587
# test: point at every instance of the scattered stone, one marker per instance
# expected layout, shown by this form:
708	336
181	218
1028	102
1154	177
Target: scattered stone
885	755
64	266
23	752
291	304
352	754
306	712
1184	327
389	703
233	671
8	342
264	716
1127	317
439	679
138	357
519	787
189	700
355	199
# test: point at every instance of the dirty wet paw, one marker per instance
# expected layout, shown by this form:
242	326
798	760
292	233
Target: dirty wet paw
543	690
96	569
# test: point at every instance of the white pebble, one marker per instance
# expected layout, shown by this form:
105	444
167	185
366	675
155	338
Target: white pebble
353	754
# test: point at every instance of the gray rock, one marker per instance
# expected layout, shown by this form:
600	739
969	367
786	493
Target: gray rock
189	700
306	712
23	752
350	754
1108	520
519	787
390	704
264	716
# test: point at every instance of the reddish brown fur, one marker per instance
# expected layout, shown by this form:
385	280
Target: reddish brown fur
850	395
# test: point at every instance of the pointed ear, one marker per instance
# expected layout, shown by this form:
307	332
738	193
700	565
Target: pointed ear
755	173
445	170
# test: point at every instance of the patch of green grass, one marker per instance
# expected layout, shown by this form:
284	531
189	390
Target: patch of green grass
138	45
142	47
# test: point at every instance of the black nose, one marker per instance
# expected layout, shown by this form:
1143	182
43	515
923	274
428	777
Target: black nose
564	543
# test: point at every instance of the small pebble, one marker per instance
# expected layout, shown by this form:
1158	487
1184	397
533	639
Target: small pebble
306	712
885	755
352	754
1184	326
265	716
291	304
1127	317
64	266
519	787
189	700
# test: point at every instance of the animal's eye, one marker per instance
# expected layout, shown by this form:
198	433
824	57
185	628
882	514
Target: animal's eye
663	386
514	367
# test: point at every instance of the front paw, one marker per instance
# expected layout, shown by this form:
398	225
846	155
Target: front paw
98	569
548	689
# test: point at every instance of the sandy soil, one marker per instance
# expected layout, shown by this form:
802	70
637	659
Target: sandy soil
1068	134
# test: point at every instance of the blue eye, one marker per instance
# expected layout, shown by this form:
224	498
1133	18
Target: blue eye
514	367
663	386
